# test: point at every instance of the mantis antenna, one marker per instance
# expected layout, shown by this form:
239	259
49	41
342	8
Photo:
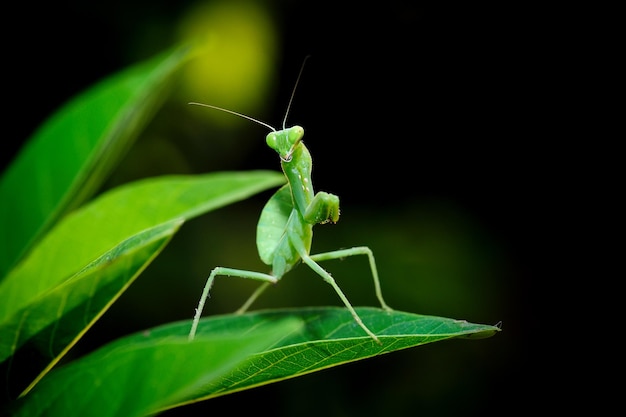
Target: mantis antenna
293	92
235	113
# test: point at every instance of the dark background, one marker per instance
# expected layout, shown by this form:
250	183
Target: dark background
422	119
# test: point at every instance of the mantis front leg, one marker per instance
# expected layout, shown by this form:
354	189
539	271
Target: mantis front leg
323	208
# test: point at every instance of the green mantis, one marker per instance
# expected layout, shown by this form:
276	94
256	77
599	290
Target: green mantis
285	227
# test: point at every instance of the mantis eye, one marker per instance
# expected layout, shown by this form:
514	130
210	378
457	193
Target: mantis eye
295	135
271	140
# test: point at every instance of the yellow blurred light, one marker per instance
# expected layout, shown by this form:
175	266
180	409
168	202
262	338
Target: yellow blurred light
234	66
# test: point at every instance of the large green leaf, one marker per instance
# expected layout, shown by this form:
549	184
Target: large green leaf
138	376
37	335
69	156
328	337
48	275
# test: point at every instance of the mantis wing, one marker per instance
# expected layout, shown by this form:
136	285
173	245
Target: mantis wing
272	225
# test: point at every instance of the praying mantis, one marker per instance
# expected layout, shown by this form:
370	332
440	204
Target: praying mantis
285	227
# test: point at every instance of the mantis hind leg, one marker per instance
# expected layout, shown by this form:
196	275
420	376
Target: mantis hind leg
268	279
360	250
329	279
253	297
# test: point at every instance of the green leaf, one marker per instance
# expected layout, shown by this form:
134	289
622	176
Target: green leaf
330	338
327	337
70	155
36	336
141	374
45	279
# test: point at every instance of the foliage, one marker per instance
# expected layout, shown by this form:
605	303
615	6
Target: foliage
65	257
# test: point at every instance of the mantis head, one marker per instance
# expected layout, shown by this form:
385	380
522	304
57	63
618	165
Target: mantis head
285	141
282	141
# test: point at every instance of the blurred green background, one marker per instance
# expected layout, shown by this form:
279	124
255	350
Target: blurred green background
413	115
